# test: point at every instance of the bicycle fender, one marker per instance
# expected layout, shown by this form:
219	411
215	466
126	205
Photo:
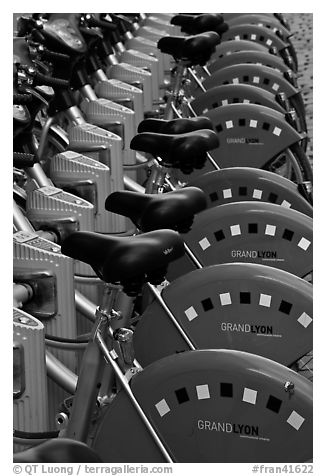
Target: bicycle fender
231	46
250	232
261	20
261	34
257	75
223	406
255	57
250	135
239	184
234	93
248	307
211	406
221	307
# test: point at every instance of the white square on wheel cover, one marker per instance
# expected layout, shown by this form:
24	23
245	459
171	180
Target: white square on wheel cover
249	396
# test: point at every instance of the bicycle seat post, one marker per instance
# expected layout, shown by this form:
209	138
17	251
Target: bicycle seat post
156	180
92	376
181	68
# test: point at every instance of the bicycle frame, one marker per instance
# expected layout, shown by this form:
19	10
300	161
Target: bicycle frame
92	368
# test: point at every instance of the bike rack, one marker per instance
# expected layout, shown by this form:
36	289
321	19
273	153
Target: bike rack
239	306
262	233
40	263
85	177
239	184
52	208
150	48
30	404
114	118
133	75
143	60
119	92
226	409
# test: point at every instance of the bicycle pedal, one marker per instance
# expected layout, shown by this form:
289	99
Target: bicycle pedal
30	395
87	178
114	118
123	93
142	60
53	209
131	74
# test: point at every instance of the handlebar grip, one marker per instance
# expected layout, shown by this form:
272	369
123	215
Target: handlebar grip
101	24
22	160
53	55
21	99
43	80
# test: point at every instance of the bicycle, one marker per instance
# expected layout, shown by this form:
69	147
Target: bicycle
164	375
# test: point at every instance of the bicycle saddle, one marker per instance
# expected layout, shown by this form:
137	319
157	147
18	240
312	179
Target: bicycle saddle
193	25
196	49
61	450
176	126
148	212
182	151
130	260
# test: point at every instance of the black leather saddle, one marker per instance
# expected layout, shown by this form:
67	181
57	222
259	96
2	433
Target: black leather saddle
181	151
174	210
195	24
58	450
195	50
175	126
131	260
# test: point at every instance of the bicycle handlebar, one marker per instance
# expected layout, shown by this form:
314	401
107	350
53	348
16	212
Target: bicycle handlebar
43	80
22	160
94	22
54	55
21	99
